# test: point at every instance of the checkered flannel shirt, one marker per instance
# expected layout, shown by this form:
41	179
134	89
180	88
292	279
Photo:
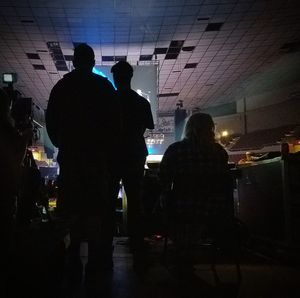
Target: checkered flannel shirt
200	180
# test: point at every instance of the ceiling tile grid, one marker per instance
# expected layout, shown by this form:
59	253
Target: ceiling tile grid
205	49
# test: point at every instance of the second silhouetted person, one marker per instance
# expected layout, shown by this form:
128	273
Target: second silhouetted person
136	118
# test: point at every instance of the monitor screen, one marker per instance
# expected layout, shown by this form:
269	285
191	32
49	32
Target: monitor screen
7	78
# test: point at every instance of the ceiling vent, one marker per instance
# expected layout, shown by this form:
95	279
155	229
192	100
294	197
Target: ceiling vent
168	94
188	49
33	56
145	57
57	55
171	56
38	66
214	27
176	43
160	51
191	65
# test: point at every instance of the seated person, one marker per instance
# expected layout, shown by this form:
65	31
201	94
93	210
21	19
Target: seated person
247	159
196	170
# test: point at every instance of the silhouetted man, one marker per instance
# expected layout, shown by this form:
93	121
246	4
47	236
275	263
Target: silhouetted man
136	118
82	121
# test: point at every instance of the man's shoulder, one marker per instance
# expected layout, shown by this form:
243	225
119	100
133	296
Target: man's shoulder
59	85
102	83
77	75
73	79
141	98
100	80
138	98
220	148
64	80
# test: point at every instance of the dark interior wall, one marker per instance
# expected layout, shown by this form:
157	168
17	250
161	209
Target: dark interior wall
270	109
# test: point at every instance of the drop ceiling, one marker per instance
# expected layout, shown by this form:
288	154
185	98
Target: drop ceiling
205	50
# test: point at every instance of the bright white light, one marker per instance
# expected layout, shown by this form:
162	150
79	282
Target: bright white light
224	133
144	94
154	158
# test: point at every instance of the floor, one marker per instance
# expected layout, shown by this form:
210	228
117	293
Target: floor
261	277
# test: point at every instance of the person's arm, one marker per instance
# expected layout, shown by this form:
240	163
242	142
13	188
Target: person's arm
222	153
167	167
166	176
148	117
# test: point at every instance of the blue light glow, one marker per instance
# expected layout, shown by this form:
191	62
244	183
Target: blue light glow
150	149
100	73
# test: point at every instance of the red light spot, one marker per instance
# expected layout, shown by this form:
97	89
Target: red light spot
158	237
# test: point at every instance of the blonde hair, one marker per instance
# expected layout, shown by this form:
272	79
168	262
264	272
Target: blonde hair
199	129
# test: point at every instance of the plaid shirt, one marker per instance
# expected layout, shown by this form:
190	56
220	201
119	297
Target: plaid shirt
200	180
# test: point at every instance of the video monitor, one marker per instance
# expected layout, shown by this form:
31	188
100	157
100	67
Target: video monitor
7	78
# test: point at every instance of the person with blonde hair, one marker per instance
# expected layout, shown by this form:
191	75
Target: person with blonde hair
195	173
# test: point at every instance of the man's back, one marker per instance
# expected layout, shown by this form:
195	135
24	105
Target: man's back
136	118
82	121
80	115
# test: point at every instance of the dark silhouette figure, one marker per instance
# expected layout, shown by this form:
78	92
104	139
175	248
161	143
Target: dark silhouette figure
12	151
136	118
82	120
195	175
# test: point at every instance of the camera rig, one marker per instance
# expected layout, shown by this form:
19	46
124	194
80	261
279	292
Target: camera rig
22	111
